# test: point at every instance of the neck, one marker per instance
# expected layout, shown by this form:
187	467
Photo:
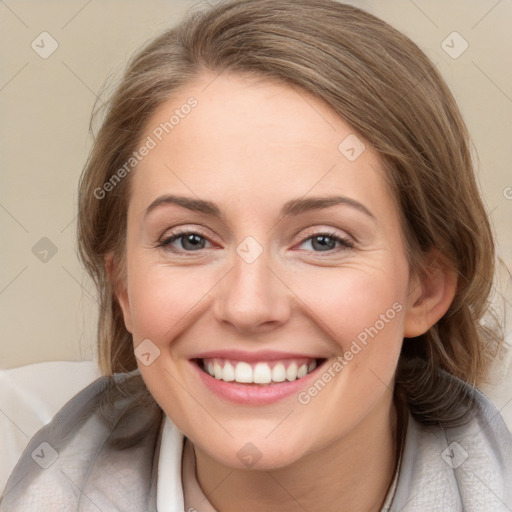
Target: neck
352	474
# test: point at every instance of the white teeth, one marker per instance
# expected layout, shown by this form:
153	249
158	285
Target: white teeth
217	370
279	373
262	374
228	373
291	372
243	372
259	373
303	370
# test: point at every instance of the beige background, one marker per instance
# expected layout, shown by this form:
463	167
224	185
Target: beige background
48	308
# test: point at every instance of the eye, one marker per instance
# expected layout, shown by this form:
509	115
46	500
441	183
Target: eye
192	241
189	241
326	241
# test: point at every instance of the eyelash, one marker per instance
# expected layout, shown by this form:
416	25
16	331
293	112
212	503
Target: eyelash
165	243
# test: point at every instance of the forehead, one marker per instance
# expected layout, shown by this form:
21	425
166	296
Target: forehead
255	138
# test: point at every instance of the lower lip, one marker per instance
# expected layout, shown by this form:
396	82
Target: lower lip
254	394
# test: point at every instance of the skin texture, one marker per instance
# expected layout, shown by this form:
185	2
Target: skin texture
250	145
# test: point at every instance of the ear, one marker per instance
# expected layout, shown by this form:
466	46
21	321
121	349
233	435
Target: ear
430	295
119	287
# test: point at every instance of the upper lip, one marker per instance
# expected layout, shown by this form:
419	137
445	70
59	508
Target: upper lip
263	355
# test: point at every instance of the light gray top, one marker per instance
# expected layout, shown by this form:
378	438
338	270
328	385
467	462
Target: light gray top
102	452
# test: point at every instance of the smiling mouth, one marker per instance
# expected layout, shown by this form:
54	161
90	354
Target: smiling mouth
261	373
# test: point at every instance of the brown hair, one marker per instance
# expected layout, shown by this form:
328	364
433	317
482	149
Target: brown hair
392	95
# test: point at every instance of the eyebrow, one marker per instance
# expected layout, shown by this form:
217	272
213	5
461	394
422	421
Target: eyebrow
291	208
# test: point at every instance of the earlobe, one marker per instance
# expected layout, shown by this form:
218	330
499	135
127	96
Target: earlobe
119	289
430	295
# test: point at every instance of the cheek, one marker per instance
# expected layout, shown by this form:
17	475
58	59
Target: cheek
362	312
354	304
161	297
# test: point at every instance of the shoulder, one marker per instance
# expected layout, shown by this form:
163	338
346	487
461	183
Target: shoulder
459	468
98	449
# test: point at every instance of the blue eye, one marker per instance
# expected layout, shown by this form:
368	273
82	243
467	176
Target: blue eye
193	241
327	242
190	241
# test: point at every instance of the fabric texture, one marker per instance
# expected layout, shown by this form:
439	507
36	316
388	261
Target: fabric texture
30	396
102	452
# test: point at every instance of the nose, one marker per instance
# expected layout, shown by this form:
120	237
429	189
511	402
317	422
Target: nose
252	298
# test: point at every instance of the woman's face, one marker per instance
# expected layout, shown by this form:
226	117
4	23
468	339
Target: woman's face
265	277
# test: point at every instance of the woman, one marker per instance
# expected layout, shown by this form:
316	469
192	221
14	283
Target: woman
292	256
